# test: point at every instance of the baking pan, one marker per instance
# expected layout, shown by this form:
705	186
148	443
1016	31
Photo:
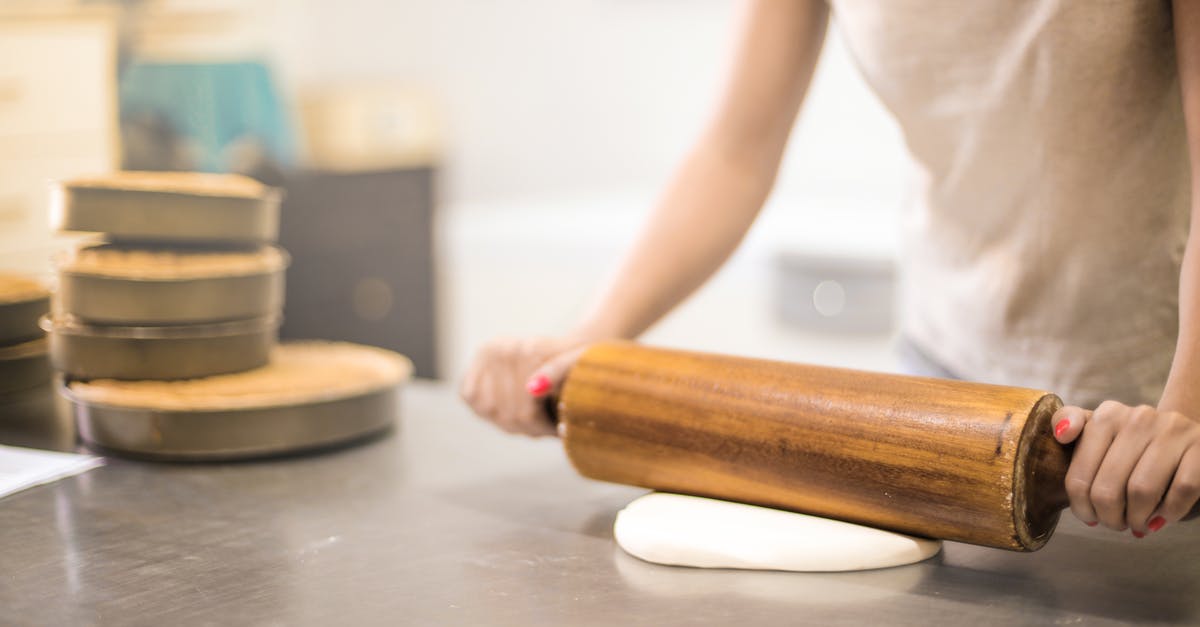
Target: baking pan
94	296
37	418
84	351
233	434
24	366
309	397
169	207
22	302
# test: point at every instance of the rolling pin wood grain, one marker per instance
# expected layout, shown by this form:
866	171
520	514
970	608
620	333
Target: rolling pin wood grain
959	461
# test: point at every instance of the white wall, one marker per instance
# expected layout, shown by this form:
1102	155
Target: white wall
566	97
564	118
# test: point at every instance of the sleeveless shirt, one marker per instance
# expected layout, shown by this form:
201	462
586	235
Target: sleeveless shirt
1043	240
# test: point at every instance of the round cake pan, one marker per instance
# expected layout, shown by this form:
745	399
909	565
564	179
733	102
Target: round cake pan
166	216
222	435
96	298
84	351
37	418
19	320
24	366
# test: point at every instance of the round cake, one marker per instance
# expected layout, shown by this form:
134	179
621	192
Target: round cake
299	373
166	264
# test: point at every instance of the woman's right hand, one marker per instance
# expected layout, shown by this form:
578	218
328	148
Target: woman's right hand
509	380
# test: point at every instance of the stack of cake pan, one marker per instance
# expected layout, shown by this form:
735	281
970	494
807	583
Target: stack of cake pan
312	395
166	329
187	282
25	374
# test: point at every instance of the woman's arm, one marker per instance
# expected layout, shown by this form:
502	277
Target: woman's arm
717	193
1139	467
704	214
1182	393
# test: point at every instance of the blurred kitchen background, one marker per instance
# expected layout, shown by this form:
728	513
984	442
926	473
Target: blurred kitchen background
457	170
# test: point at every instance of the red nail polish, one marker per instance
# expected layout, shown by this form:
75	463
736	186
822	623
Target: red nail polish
1092	524
1138	534
538	385
1061	428
1156	523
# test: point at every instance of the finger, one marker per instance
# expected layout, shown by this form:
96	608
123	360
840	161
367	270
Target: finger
531	419
539	385
547	380
532	414
511	399
1183	492
1150	479
1085	462
488	400
526	408
469	386
1110	487
522	410
541	429
1068	423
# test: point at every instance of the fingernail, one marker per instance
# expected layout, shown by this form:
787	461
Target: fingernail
1061	428
1092	524
538	385
1156	523
1138	534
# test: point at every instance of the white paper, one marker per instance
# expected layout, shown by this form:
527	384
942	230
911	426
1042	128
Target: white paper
24	468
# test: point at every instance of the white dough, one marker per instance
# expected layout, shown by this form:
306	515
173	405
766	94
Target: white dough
680	530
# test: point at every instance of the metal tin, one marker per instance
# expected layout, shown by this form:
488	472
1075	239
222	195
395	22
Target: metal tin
24	366
96	298
167	216
216	435
19	319
84	351
37	418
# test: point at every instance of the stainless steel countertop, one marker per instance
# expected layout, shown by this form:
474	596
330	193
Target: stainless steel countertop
448	522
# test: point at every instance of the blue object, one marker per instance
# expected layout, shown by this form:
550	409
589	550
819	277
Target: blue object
211	105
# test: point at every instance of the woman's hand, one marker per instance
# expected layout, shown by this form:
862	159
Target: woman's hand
509	379
1134	468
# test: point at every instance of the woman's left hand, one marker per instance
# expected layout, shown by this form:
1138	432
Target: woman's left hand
1134	468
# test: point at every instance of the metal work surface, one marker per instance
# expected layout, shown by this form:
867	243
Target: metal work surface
448	522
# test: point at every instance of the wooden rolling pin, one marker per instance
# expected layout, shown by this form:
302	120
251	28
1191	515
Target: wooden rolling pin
945	459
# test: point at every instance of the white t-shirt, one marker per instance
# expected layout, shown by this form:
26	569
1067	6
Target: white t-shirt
1044	240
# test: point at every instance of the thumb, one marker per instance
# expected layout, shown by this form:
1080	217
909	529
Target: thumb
1068	422
547	380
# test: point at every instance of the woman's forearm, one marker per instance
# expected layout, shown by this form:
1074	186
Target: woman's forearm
1182	393
717	193
703	216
